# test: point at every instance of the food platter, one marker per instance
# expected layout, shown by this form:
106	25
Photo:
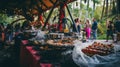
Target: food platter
98	48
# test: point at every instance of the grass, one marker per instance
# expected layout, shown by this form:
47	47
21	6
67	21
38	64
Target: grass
101	36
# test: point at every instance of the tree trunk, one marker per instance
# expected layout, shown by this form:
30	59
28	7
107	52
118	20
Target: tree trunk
118	7
110	5
103	10
87	11
87	4
106	11
93	8
114	9
80	11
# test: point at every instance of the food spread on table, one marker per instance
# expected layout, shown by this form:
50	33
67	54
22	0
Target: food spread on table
98	48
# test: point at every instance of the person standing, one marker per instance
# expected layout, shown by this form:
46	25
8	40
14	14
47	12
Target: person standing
77	26
117	29
94	29
2	36
9	33
65	25
110	30
87	29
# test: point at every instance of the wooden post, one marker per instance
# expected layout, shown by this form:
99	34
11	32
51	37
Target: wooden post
72	18
49	15
61	16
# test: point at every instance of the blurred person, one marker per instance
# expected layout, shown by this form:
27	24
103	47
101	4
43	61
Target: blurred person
65	25
2	26
77	25
26	25
2	35
9	33
110	30
17	27
94	29
87	29
117	29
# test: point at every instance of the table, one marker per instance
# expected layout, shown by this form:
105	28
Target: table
28	57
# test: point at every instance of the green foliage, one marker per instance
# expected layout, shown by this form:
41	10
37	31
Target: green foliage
76	12
97	13
101	37
102	30
5	19
82	5
69	6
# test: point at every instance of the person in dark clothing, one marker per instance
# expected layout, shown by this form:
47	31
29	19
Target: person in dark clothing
77	26
17	27
65	26
9	33
2	26
18	40
110	29
117	29
26	25
2	36
94	29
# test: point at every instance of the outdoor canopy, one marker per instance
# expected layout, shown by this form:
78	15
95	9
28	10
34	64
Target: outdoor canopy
28	6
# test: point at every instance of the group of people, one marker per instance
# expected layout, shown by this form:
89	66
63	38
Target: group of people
8	33
113	29
88	28
5	33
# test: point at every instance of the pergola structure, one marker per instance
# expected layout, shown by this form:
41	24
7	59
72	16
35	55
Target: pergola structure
18	6
28	8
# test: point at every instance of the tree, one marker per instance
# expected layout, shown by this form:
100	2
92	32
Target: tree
94	5
103	9
87	8
97	13
3	17
82	6
106	11
118	7
114	9
6	19
111	4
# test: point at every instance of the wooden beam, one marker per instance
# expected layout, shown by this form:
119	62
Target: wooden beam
52	2
43	3
17	20
50	14
71	17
